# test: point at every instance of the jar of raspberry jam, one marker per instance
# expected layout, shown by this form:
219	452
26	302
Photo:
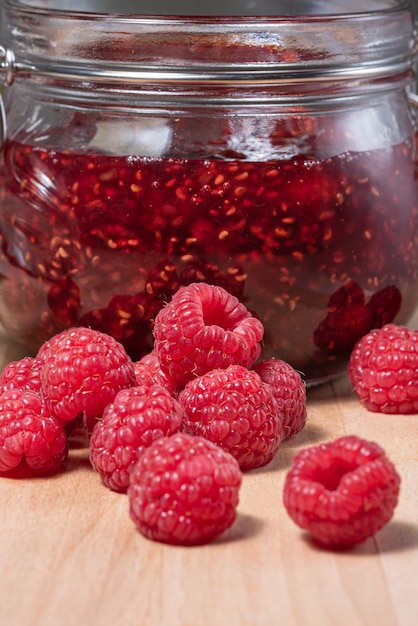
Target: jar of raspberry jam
273	154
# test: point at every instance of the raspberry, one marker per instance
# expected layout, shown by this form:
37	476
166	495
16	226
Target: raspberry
32	442
162	280
200	271
83	369
340	330
128	320
202	328
148	371
341	492
383	369
236	410
345	296
135	418
289	391
144	374
385	306
63	299
348	318
184	490
22	374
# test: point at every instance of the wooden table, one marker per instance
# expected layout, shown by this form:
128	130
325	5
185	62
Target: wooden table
70	555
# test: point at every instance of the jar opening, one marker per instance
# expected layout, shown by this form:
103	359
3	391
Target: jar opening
309	41
216	8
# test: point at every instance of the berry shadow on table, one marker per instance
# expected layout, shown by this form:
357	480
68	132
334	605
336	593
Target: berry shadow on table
245	527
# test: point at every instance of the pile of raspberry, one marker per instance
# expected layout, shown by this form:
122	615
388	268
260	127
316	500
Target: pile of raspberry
176	429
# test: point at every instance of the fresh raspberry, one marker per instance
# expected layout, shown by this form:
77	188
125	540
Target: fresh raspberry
23	374
32	442
83	369
184	490
202	328
289	391
383	369
148	371
342	492
145	374
135	418
236	410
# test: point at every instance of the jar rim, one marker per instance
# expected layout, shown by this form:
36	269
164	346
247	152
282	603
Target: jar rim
212	10
37	42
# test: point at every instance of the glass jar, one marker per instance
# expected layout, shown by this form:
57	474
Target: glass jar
272	154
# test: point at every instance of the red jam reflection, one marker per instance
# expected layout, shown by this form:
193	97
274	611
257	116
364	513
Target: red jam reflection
321	251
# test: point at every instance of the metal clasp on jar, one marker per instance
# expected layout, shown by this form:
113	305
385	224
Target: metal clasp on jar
7	65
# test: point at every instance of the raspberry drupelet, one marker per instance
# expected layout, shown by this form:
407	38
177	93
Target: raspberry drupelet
383	369
184	490
204	327
83	369
341	492
289	391
136	417
236	410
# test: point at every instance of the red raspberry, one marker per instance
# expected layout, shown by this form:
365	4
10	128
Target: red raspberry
128	320
383	369
385	306
162	280
236	410
64	301
347	320
341	328
148	371
184	490
232	280
345	296
202	328
144	374
22	374
83	369
289	391
342	492
135	418
32	442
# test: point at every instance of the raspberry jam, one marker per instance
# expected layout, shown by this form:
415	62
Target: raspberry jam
267	147
322	250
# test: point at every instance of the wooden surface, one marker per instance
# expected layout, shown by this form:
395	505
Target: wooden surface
70	555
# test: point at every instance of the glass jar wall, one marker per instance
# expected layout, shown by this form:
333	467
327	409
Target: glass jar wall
274	155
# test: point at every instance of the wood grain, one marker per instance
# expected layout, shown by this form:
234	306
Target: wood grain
70	555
